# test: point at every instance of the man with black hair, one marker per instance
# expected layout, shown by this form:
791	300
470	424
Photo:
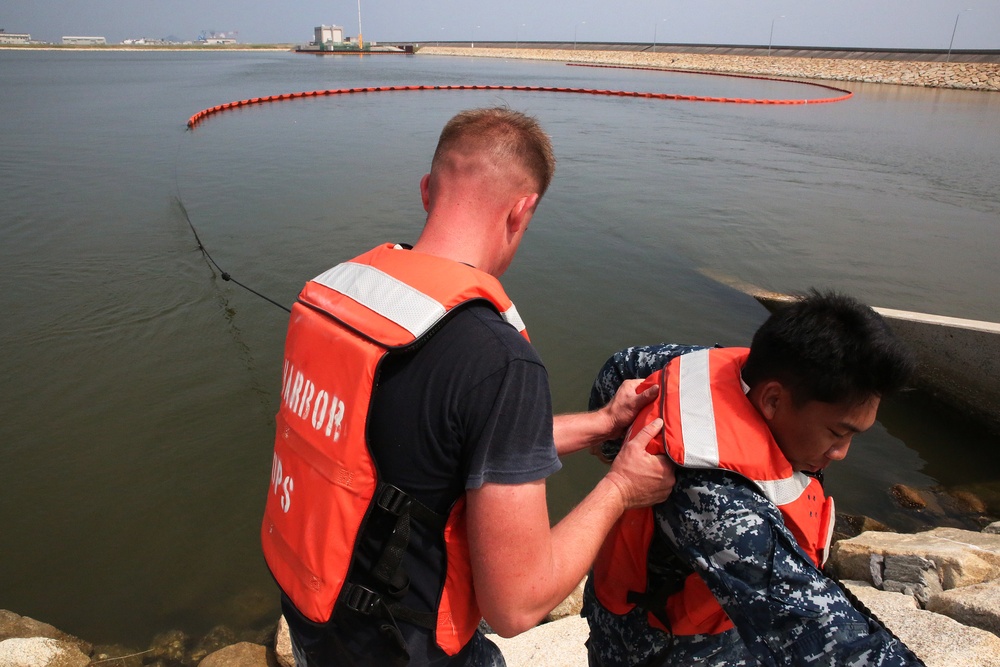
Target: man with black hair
727	571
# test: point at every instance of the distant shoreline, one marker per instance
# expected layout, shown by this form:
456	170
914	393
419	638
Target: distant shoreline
146	47
956	75
927	74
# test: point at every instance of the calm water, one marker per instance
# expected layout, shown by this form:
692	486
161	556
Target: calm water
138	389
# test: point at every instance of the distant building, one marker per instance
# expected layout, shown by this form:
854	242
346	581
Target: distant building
328	34
84	41
14	37
214	38
145	41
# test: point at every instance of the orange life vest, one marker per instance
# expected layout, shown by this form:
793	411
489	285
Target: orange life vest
708	423
325	485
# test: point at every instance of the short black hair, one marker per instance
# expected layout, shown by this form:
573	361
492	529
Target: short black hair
829	347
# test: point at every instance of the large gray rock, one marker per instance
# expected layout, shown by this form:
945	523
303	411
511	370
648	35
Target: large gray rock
961	557
40	652
556	644
978	605
908	574
12	625
938	640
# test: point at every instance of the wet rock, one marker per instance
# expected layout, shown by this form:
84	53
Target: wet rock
41	652
243	654
170	646
978	606
217	638
118	656
852	525
968	501
908	497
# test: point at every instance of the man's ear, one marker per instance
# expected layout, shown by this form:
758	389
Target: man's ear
770	397
425	191
520	214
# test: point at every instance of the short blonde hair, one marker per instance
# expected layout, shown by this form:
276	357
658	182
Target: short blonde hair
505	136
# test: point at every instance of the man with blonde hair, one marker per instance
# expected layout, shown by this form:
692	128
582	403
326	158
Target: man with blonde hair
416	432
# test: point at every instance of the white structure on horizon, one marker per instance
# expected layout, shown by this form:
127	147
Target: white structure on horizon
14	37
328	34
84	41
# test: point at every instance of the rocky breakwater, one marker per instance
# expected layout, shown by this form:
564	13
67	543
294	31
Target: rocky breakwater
970	76
937	590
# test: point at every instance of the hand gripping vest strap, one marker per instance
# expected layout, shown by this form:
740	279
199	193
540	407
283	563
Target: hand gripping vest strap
708	423
334	534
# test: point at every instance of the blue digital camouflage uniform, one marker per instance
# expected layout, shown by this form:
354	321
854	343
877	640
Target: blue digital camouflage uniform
785	610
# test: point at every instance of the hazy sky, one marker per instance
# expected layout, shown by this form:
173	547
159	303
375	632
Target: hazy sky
853	23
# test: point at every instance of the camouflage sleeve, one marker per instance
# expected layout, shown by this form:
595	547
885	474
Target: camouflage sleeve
632	363
785	609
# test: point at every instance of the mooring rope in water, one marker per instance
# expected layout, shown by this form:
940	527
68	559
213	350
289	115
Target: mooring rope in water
205	113
225	275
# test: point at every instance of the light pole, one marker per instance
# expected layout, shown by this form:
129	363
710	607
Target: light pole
574	33
957	16
361	41
656	23
474	33
771	36
517	35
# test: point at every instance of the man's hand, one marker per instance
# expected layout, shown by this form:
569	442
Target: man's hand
643	479
621	411
522	568
589	429
626	404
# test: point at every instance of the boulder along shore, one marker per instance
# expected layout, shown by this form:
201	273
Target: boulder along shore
937	590
967	76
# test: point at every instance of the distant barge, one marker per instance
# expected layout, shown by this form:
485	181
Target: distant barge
350	49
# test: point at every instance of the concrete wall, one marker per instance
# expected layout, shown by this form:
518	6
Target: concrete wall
973	76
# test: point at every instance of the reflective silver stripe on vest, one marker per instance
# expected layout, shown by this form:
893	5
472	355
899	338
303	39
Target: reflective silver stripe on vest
701	444
392	298
389	297
513	318
784	491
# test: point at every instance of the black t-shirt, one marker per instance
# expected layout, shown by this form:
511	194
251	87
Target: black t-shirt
470	406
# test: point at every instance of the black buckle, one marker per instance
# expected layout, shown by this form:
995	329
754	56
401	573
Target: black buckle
393	500
361	600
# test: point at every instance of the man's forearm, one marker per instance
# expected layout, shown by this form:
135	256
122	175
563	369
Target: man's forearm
580	430
522	567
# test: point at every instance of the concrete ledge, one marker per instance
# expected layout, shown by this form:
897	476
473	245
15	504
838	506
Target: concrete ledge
968	76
